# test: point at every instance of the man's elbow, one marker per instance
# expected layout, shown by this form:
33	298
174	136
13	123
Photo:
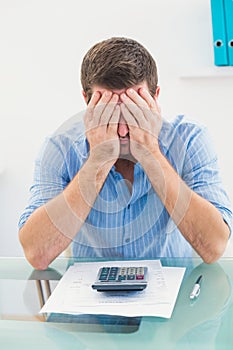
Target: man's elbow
215	250
214	254
33	254
211	258
36	260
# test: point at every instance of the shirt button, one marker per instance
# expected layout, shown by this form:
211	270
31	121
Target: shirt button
127	240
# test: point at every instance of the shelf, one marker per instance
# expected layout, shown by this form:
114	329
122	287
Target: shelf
208	72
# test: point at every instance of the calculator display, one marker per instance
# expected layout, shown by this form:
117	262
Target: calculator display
121	278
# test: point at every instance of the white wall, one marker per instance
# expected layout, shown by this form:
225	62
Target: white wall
42	43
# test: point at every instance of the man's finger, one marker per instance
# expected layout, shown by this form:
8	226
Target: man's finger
114	120
94	100
129	118
109	109
91	107
136	111
151	102
136	98
100	106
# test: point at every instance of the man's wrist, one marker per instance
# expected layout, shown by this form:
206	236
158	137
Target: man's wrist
152	159
94	173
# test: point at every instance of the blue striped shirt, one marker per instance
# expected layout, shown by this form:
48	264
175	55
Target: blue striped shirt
123	224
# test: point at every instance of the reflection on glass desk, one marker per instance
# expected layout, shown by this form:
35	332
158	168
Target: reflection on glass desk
205	323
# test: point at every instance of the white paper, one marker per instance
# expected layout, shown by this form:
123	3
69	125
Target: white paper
74	294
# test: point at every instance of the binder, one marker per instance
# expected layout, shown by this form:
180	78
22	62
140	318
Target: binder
219	33
228	6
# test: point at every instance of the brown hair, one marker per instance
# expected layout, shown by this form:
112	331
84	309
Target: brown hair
118	63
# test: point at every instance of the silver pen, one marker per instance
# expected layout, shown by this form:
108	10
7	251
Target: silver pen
196	288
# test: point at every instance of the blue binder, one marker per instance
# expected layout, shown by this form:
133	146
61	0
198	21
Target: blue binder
228	4
219	33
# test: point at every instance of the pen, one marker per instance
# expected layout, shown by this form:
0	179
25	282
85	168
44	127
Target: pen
196	288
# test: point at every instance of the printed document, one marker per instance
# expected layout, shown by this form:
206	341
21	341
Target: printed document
74	293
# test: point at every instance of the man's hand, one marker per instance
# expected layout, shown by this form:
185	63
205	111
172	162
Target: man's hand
142	115
101	122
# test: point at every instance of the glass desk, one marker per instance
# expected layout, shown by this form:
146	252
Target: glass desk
206	323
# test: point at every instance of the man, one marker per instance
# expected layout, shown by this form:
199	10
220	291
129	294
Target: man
125	183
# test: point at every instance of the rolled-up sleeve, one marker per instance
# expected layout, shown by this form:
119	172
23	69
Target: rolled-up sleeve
201	172
49	179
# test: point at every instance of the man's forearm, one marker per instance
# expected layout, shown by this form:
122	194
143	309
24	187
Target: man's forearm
51	228
197	219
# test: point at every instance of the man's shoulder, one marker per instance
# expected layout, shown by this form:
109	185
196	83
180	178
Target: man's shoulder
180	127
71	131
68	138
181	132
180	124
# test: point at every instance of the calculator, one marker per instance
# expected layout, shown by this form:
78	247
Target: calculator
116	278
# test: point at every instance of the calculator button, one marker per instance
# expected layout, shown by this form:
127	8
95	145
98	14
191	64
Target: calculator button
113	270
139	277
140	271
131	277
105	269
103	277
111	278
122	271
121	278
